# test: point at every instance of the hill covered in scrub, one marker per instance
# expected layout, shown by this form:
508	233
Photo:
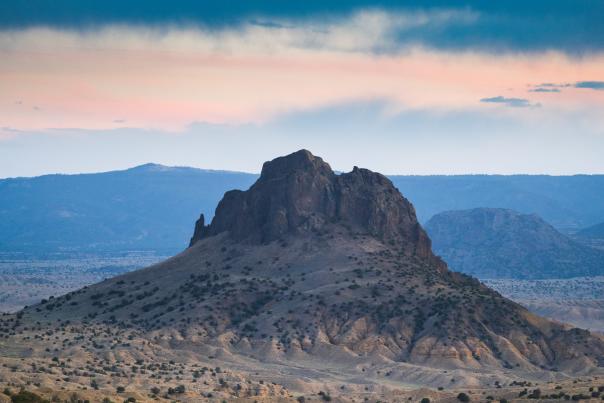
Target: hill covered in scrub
149	207
310	279
501	243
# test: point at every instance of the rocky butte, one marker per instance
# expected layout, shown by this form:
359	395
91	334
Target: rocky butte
314	281
299	194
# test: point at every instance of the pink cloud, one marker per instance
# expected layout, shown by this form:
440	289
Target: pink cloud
79	84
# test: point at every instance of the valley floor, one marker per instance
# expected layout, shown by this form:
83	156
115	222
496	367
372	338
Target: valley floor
577	301
27	279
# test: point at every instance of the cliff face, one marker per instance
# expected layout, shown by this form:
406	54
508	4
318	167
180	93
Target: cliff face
300	193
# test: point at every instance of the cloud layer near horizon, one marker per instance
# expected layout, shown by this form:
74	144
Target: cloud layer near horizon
366	134
166	79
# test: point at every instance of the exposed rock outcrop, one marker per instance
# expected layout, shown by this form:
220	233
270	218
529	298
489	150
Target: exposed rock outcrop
300	193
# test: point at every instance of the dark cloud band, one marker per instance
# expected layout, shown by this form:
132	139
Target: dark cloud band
572	26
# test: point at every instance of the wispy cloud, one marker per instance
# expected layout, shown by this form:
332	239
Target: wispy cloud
542	89
557	87
594	85
553	85
511	102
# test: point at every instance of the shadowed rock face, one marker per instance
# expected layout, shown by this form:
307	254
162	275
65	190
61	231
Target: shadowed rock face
300	193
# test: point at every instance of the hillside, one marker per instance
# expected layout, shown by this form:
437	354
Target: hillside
313	280
150	207
500	243
592	236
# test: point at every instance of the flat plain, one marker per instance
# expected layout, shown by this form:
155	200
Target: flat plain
27	279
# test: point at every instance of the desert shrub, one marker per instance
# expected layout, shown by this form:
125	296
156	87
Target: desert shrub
425	400
27	397
178	389
535	394
462	397
325	396
120	389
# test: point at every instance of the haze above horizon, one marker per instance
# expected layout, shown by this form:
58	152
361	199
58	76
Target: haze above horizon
156	166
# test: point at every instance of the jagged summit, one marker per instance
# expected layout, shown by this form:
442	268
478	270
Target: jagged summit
302	160
299	193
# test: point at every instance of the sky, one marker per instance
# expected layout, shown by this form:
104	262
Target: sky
415	87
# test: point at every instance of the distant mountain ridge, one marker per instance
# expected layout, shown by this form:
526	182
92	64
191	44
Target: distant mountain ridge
569	203
501	243
146	207
151	206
